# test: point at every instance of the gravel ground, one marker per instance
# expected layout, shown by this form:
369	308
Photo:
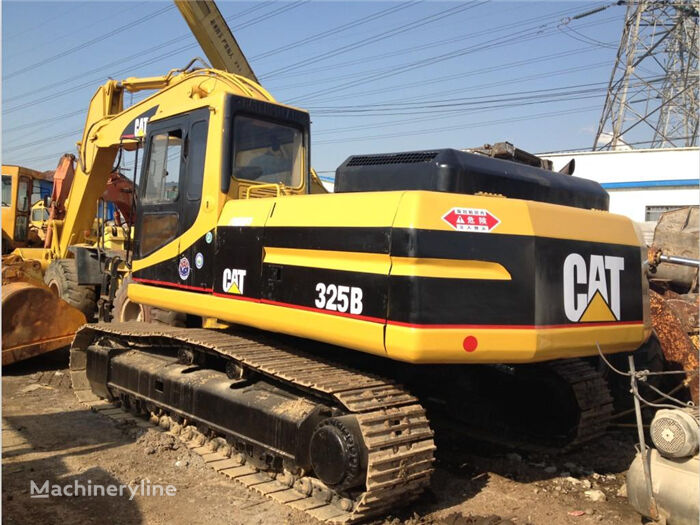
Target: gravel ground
48	435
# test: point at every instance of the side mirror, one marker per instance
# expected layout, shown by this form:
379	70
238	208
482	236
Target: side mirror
47	201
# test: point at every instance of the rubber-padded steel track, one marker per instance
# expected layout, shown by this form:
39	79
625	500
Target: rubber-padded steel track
393	424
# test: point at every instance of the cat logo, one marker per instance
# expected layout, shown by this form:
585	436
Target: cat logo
592	291
140	125
233	281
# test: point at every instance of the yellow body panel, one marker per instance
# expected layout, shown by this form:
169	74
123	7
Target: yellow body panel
423	211
349	210
376	263
448	268
508	345
353	333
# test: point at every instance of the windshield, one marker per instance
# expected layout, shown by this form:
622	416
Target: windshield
267	152
6	190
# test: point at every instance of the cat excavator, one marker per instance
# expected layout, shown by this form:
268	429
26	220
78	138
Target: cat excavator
300	336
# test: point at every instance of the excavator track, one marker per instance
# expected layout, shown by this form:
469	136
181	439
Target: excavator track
592	395
393	425
547	408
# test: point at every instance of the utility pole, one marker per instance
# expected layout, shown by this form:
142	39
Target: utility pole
653	94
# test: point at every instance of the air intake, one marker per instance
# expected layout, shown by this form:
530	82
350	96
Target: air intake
411	157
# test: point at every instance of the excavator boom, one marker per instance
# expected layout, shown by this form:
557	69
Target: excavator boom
213	34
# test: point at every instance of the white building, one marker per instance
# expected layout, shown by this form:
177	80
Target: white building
642	183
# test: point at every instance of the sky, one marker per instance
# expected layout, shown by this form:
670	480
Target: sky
376	77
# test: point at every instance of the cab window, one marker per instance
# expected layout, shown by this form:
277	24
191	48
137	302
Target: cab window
40	214
267	152
163	169
6	190
23	194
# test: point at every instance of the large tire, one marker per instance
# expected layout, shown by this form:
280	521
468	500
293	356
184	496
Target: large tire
62	278
124	310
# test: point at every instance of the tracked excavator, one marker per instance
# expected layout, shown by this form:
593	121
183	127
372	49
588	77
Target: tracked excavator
301	335
448	272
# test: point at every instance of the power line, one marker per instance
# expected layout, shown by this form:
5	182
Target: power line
24	33
419	64
390	123
470	73
376	38
461	126
333	31
72	88
44	141
467	36
453	102
42	122
91	42
54	39
521	36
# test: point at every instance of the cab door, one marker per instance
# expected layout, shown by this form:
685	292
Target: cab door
170	192
23	196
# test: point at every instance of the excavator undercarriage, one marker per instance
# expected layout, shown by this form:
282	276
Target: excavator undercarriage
341	444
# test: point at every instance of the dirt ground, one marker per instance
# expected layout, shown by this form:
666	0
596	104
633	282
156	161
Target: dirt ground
48	435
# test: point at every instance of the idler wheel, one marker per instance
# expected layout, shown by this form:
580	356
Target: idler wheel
337	452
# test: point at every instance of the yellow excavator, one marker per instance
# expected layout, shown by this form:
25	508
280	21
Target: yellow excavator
484	286
305	334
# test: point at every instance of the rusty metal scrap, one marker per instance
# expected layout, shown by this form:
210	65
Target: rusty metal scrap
675	342
34	321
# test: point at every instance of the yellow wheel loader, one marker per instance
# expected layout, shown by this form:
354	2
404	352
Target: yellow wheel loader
483	286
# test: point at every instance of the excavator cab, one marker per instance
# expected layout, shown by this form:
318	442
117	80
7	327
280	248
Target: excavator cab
17	185
264	153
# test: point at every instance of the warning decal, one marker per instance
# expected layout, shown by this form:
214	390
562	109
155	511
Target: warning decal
471	220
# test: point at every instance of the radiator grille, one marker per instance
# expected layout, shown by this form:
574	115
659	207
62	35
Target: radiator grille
413	157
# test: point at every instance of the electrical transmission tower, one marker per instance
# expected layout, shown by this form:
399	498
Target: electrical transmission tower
653	91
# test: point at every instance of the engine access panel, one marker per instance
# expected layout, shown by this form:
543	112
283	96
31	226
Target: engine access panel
454	171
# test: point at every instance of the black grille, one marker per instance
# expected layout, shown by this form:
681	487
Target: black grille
413	157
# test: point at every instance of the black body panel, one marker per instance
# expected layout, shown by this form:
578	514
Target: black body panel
453	171
254	412
532	296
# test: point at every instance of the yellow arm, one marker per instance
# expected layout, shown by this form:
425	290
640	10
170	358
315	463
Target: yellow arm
212	32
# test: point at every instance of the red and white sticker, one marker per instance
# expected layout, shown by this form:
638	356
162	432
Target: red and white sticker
471	220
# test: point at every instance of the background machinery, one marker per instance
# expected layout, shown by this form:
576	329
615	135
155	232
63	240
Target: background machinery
21	189
34	320
42	301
